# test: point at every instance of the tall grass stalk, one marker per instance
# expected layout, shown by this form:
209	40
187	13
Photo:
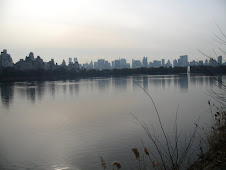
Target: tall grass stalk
171	156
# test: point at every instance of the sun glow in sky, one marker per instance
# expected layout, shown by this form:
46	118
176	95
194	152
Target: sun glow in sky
109	29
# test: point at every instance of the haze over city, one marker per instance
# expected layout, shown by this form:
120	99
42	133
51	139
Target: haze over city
112	84
89	30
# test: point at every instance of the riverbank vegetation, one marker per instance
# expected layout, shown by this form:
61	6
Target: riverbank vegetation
213	141
204	149
11	74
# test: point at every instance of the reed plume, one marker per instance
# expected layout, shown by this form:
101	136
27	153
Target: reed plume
155	163
146	151
116	164
103	164
136	153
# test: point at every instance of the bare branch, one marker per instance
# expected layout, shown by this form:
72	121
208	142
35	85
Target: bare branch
221	31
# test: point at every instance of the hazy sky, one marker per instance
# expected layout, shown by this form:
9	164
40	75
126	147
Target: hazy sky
109	29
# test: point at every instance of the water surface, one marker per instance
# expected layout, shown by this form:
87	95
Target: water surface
69	124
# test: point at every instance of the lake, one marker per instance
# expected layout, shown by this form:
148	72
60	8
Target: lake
69	124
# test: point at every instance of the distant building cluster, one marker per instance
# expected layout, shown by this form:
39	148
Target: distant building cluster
32	63
210	62
102	64
122	63
70	65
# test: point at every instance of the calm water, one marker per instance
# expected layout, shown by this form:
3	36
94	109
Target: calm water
69	124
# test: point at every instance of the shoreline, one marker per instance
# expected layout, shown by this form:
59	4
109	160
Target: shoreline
12	75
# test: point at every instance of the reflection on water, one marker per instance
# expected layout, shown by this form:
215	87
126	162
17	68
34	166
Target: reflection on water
71	89
7	93
64	87
69	124
39	89
157	81
201	80
220	81
145	83
52	88
163	83
103	84
183	82
31	92
169	81
120	84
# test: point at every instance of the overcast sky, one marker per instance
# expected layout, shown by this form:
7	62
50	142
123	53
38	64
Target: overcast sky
109	29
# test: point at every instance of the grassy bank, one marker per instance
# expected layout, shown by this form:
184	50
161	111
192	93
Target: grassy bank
215	141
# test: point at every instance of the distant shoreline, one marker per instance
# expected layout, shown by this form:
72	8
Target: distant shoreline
11	74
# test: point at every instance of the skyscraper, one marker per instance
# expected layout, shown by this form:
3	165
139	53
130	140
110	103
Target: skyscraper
145	62
183	61
63	63
70	61
168	64
101	65
136	64
219	60
213	62
117	64
31	56
5	59
175	64
206	62
163	62
123	63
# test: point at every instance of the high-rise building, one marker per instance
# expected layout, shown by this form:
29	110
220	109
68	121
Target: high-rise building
219	60
31	56
100	64
117	64
123	64
206	62
145	62
175	63
156	63
136	63
91	65
95	66
70	61
75	60
63	63
213	62
200	63
163	62
5	59
168	64
183	61
150	64
107	65
113	64
51	64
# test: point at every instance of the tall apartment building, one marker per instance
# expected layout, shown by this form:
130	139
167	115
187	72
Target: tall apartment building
219	60
69	60
5	59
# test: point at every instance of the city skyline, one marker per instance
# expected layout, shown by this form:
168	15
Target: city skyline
111	29
34	63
